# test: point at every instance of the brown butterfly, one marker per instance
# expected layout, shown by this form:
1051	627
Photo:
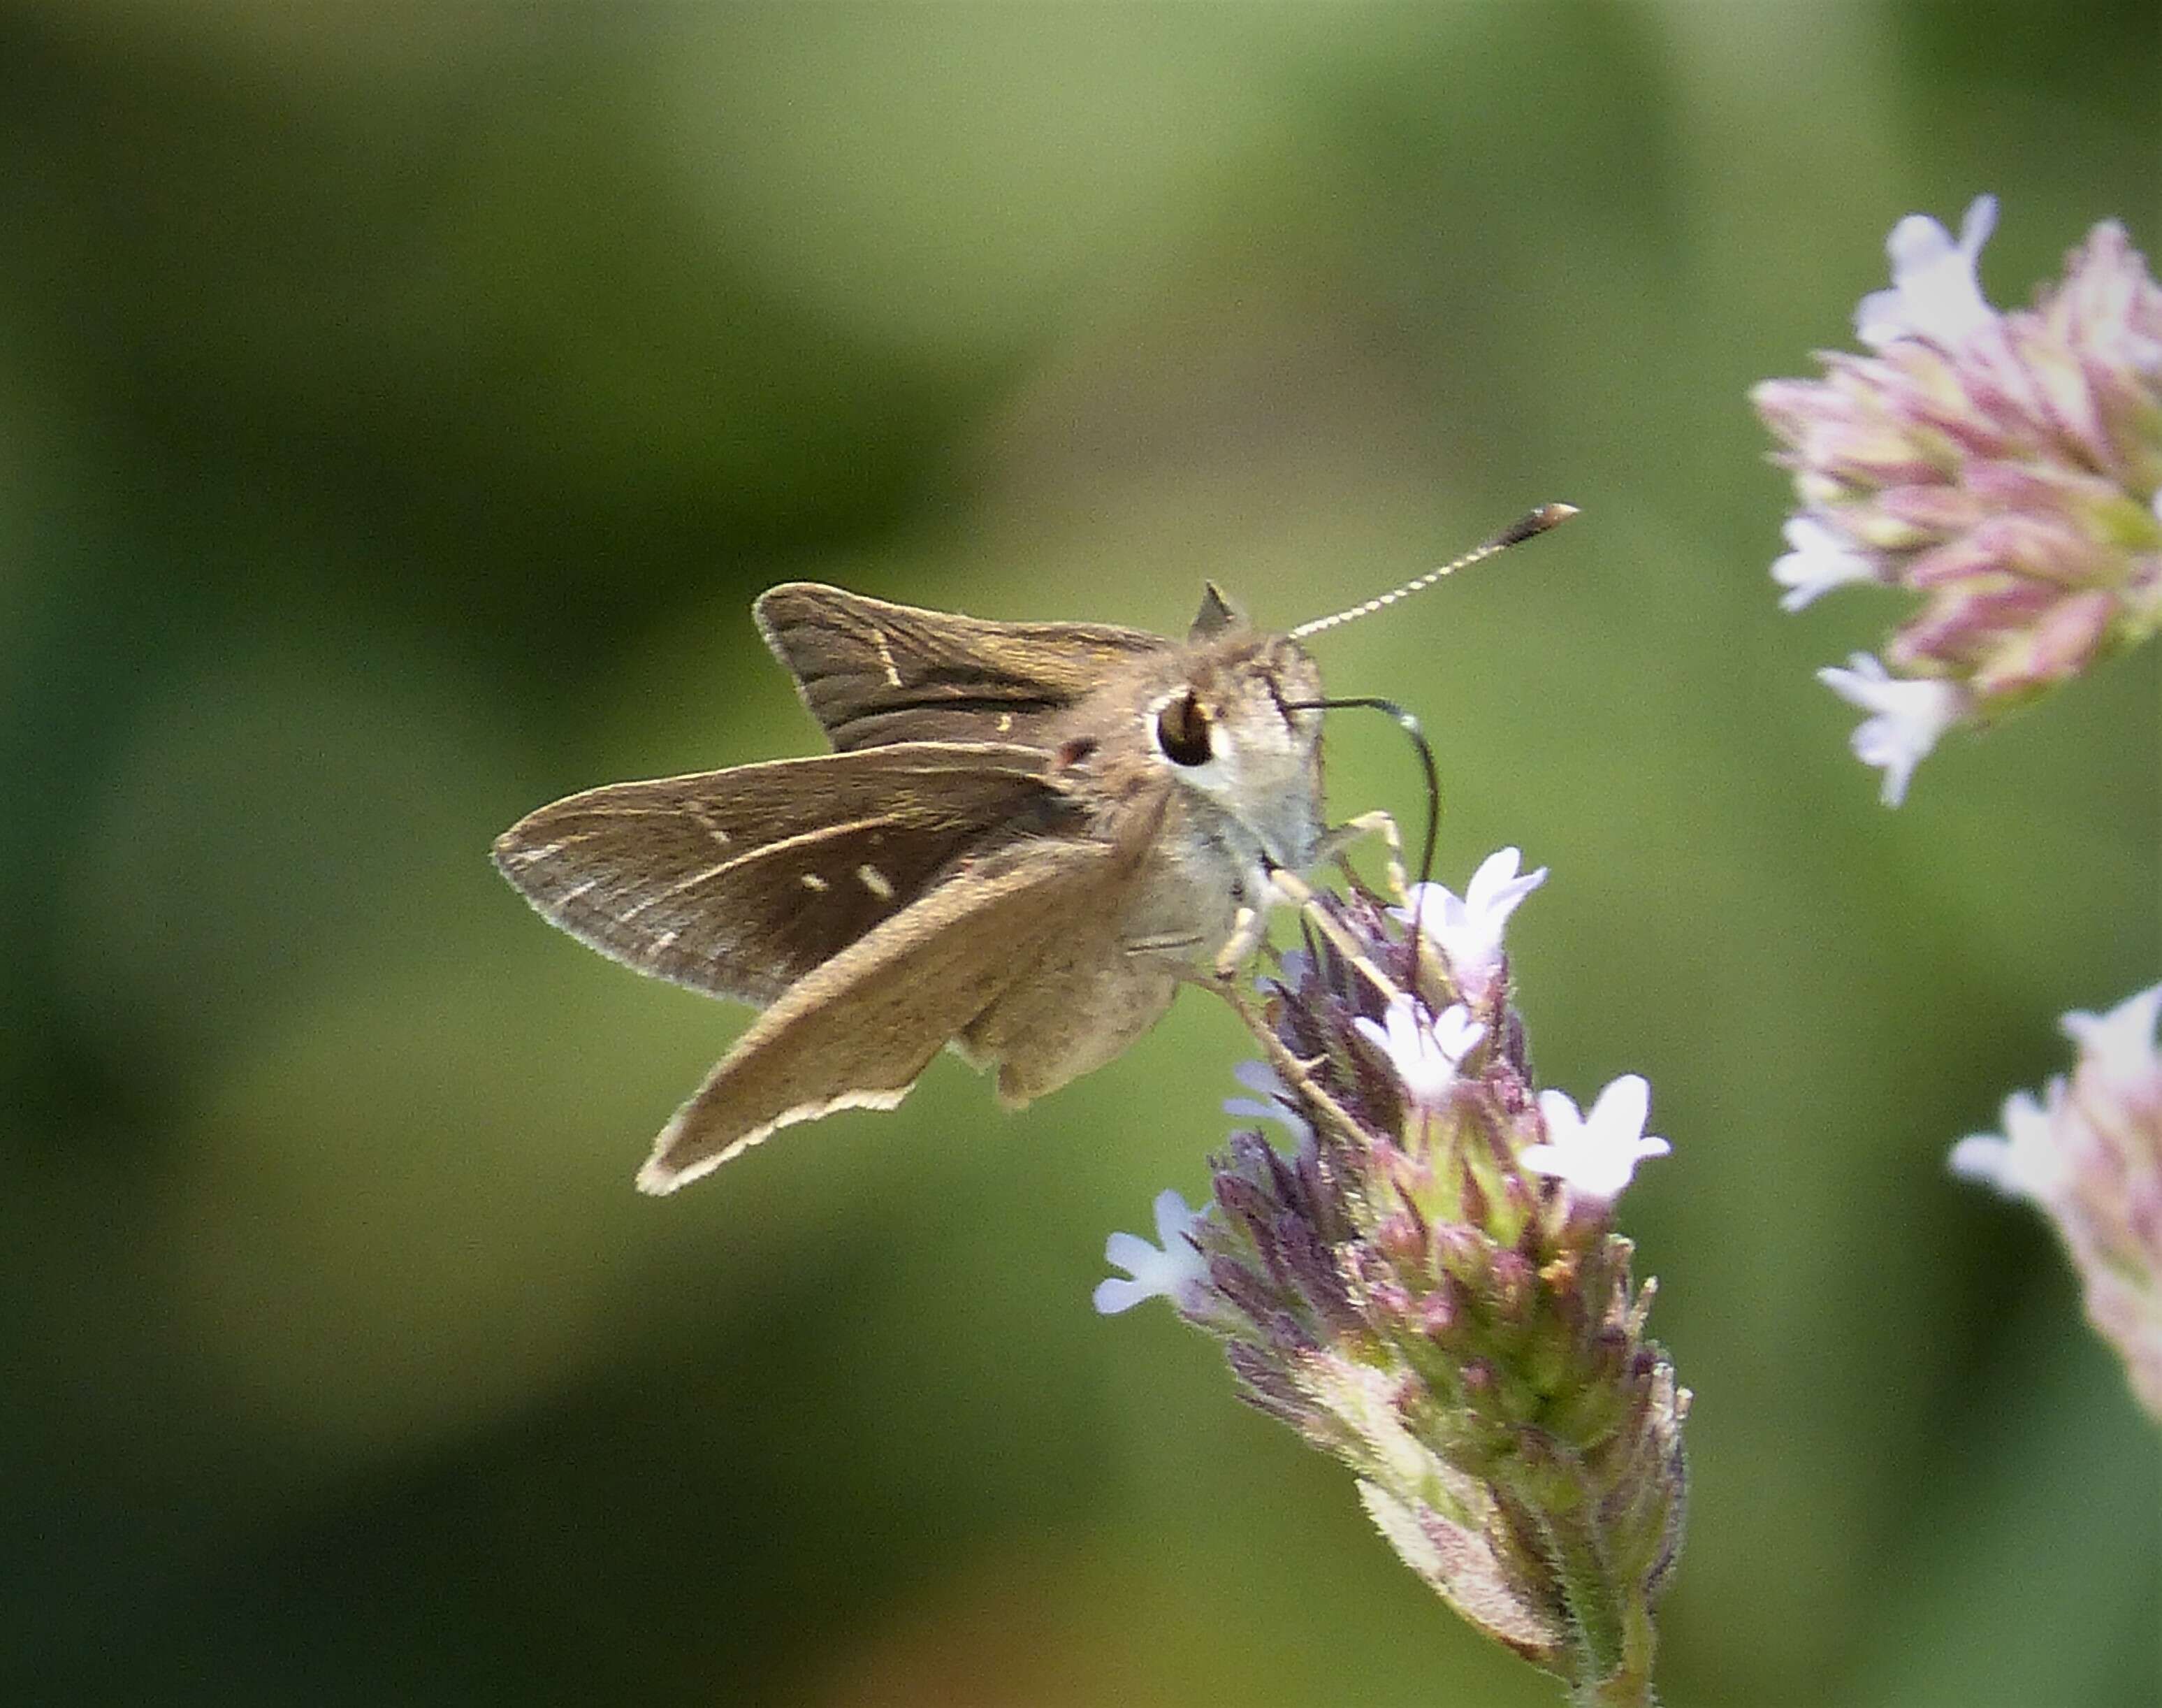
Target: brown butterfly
1028	835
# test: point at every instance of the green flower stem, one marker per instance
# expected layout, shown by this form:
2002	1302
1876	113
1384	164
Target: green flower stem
1613	1628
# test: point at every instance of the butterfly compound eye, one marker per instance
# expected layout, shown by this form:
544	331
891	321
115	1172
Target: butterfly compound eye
1181	731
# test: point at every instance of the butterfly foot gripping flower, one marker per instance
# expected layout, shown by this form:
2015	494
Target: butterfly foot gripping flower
2003	467
1427	1284
2088	1155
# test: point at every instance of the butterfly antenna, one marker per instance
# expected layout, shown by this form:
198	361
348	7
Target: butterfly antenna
1525	527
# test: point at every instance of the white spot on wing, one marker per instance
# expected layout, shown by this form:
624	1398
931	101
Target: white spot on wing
873	879
815	884
885	658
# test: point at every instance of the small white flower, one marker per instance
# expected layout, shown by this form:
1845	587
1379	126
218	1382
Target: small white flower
1178	1271
1821	559
1935	294
1423	1049
1908	715
1597	1153
2025	1162
1267	1103
1468	931
2120	1045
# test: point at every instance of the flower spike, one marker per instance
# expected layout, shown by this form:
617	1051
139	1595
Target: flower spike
1409	1287
2088	1153
2005	468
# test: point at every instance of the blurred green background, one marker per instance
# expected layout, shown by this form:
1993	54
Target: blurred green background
398	408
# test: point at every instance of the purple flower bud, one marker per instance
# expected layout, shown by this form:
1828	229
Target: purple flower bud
1439	1311
1515	1289
1401	1236
1464	1253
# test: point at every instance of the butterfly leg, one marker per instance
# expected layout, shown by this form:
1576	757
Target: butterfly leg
1431	967
1249	926
1301	895
1297	1074
1335	841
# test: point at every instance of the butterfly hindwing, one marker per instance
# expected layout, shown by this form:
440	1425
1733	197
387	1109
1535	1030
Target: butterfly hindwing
858	1032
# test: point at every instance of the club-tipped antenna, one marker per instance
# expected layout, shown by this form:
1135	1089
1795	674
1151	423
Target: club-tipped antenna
1525	527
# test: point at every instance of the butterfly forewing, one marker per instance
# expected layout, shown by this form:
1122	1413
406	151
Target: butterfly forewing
873	673
739	882
857	1032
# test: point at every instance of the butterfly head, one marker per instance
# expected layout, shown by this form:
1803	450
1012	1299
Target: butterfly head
1230	728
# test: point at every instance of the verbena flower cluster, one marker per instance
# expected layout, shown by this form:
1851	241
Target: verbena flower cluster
2088	1154
2002	467
1424	1280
